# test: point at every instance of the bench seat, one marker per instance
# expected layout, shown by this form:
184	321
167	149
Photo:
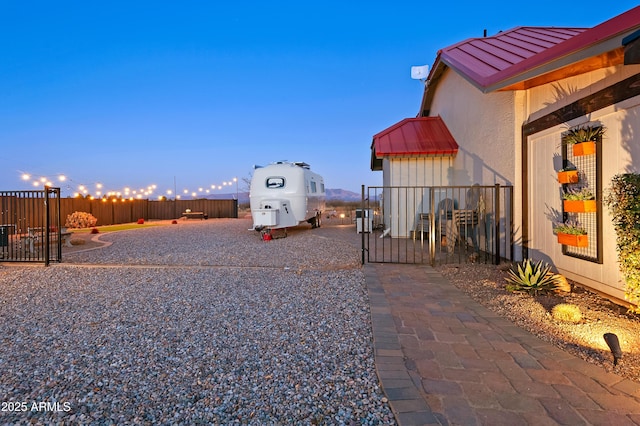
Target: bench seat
195	215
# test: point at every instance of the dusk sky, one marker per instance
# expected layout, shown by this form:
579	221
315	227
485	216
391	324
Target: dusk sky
188	95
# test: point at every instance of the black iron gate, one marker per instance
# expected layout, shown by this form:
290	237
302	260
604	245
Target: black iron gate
436	225
30	226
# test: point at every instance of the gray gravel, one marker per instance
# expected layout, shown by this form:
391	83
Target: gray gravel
195	323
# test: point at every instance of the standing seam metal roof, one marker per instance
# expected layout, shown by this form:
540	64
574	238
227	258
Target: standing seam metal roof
486	56
423	136
488	61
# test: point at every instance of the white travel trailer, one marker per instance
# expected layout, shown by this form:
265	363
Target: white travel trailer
285	194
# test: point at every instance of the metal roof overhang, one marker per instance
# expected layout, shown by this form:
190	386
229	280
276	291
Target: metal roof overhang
413	137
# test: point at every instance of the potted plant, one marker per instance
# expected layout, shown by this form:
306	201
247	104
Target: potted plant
568	175
571	234
580	201
583	139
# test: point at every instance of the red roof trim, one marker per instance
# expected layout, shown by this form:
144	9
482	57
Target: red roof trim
487	60
422	136
498	61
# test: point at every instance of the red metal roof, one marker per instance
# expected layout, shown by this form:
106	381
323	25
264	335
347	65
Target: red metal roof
490	60
484	60
423	136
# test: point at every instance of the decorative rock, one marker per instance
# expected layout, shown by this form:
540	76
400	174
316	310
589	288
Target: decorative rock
201	323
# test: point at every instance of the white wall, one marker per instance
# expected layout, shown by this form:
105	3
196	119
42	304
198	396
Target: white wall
488	129
621	153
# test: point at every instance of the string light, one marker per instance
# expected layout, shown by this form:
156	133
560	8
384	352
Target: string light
83	189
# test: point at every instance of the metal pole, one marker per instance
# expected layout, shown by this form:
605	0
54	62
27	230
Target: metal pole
497	224
59	224
47	225
432	227
362	218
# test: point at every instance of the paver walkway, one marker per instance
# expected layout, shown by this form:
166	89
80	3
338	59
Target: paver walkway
442	358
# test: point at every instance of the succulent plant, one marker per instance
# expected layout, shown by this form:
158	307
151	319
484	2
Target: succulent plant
583	134
569	228
582	194
531	277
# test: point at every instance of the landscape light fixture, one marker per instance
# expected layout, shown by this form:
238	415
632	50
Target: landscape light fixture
614	346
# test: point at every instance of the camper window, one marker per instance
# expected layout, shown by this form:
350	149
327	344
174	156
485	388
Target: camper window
275	182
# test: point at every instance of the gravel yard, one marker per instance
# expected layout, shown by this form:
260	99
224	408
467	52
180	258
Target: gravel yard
200	322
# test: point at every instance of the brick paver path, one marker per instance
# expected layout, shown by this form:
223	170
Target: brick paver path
444	359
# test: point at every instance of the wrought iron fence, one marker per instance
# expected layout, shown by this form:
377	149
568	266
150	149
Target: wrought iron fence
30	226
437	224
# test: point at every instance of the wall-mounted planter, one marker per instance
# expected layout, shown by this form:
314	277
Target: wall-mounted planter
569	176
580	206
584	148
573	240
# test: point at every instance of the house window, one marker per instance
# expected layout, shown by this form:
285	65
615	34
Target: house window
275	182
314	189
589	177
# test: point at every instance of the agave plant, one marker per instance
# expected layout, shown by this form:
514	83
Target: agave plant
531	277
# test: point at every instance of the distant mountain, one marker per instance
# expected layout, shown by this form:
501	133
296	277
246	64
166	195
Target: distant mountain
332	194
342	195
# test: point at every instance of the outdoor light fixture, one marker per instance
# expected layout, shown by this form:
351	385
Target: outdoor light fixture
82	189
614	346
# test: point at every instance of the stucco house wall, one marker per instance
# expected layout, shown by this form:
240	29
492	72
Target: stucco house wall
483	125
487	128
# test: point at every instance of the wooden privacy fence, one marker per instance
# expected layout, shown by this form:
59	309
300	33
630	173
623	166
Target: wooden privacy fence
28	207
126	211
32	222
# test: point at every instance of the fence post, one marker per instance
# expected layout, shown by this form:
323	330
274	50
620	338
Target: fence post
496	209
47	225
363	222
432	226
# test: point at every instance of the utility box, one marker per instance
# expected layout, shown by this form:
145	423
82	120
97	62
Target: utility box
364	220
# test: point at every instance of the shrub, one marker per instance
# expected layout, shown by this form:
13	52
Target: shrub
174	222
80	220
95	231
531	277
140	221
566	312
623	200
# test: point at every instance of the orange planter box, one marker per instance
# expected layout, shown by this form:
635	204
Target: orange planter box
584	148
580	206
570	176
573	240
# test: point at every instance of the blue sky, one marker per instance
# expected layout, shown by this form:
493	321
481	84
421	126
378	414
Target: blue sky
140	93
